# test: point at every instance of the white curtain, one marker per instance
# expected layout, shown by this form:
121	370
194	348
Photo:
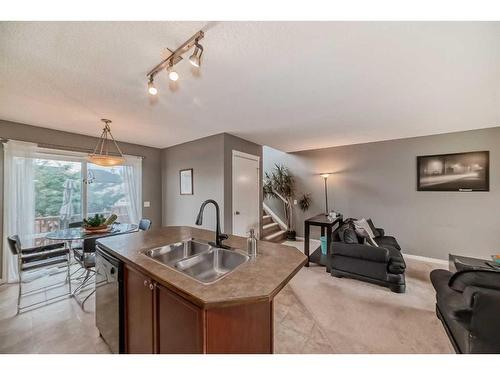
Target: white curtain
19	197
132	179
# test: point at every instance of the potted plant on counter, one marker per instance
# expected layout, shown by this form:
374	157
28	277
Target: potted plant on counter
280	184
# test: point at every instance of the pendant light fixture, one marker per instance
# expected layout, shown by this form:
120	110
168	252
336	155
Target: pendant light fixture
174	57
101	155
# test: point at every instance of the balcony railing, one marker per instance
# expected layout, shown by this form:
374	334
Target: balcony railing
45	224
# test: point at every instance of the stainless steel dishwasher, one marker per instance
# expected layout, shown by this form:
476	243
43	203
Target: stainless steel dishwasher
109	314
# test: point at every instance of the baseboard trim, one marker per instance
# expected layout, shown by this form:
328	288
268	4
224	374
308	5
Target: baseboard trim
427	259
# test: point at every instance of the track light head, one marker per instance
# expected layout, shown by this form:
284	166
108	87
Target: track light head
195	58
152	90
172	74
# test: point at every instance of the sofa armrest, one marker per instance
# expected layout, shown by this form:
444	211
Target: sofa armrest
360	251
475	278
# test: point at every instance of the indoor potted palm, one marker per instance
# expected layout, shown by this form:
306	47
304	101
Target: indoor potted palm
280	184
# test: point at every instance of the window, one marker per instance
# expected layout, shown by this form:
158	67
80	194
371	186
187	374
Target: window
58	194
68	189
107	193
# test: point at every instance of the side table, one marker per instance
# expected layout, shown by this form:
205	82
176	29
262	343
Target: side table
326	224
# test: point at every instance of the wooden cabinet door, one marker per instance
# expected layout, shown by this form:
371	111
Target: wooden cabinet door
179	324
139	317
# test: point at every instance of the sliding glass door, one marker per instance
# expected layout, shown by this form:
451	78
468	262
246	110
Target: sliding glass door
69	189
47	189
106	192
58	193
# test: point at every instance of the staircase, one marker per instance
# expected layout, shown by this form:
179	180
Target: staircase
271	230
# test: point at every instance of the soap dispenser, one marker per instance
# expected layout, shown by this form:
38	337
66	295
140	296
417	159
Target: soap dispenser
252	244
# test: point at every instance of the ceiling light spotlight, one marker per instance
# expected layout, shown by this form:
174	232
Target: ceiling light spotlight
172	74
152	90
175	57
195	58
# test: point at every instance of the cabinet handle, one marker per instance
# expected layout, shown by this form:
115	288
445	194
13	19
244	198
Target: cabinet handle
145	282
151	286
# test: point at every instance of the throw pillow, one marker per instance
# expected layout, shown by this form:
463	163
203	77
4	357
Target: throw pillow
376	233
350	236
363	224
368	239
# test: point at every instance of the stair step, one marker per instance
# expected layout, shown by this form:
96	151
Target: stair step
266	219
270	228
275	237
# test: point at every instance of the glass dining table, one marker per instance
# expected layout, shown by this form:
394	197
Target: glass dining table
78	234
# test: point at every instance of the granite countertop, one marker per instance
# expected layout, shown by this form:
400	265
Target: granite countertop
256	280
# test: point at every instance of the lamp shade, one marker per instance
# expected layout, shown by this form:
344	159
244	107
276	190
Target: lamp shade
101	155
106	160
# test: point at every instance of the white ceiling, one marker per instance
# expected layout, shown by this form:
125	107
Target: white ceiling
289	85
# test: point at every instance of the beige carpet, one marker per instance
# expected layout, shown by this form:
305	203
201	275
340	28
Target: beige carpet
356	317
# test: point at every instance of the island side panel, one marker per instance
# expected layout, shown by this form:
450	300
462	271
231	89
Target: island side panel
240	329
139	312
179	324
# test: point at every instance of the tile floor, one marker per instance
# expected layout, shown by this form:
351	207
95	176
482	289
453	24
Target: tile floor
314	313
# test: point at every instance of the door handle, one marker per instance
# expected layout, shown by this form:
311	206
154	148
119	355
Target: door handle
237	213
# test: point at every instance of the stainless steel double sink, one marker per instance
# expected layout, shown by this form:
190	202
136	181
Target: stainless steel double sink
198	259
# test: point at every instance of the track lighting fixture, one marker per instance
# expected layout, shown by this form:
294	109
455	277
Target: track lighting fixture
195	58
176	56
151	87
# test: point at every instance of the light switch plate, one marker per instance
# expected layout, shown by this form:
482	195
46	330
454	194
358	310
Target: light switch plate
147	204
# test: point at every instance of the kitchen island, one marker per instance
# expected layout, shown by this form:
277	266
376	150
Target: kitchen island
167	311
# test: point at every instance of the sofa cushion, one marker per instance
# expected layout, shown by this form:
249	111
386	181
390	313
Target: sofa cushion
359	251
385	241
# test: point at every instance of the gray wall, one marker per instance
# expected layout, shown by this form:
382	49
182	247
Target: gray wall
151	182
378	180
206	157
211	160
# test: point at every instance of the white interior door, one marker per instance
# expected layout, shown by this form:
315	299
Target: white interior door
246	192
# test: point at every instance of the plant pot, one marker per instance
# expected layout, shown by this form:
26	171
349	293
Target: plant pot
291	235
95	229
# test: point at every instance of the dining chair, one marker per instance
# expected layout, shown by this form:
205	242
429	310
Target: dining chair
85	257
145	224
37	258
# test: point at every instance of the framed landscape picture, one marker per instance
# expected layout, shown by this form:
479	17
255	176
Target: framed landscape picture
466	171
186	181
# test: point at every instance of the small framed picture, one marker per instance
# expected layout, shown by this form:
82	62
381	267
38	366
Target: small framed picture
186	181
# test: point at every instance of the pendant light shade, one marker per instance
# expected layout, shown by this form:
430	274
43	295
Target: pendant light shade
101	155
